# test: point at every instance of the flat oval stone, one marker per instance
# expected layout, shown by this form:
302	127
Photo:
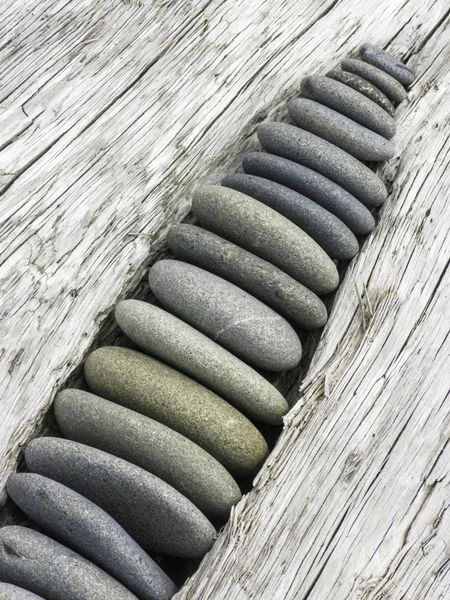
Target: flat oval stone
363	87
306	181
325	228
84	527
176	343
48	569
387	84
158	517
158	391
105	425
386	62
12	592
357	140
227	314
349	102
264	232
332	162
253	274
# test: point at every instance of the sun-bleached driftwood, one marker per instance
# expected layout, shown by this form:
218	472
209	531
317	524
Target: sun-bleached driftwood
110	113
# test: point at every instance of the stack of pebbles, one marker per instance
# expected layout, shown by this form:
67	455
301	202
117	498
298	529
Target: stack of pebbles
152	455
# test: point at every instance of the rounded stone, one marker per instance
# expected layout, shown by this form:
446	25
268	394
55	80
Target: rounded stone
84	527
176	343
158	391
325	228
32	560
253	274
264	232
306	181
96	422
227	314
12	592
152	512
357	140
386	62
349	102
363	87
387	84
307	149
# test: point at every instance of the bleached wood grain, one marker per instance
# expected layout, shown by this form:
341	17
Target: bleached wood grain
353	502
110	112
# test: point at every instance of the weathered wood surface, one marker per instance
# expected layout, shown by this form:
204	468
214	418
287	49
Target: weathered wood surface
353	503
110	112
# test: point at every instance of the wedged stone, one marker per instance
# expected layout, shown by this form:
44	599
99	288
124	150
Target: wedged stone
386	62
227	314
96	422
306	181
12	592
357	140
255	275
85	528
158	391
325	228
176	343
156	515
387	84
349	102
363	87
306	148
264	232
32	560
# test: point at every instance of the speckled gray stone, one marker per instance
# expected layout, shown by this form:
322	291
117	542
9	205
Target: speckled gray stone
357	140
227	314
349	102
253	274
155	514
264	232
84	527
318	154
306	181
363	87
325	228
48	569
105	425
173	341
387	84
386	62
12	592
158	391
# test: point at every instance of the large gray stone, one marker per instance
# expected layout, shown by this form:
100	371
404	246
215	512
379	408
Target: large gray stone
39	564
306	181
158	391
155	514
318	154
84	527
105	425
357	140
349	102
386	62
387	84
325	228
227	314
12	592
264	232
363	87
253	274
173	341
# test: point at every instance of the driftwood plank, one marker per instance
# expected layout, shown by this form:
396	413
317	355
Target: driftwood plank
110	112
353	502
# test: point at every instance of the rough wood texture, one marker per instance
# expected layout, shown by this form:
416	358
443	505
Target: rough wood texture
110	112
353	503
